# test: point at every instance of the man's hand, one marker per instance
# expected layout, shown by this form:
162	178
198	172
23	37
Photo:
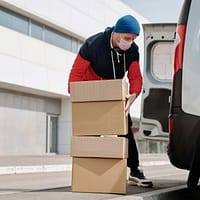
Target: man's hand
130	98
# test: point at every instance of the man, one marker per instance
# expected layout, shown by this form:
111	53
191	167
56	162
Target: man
109	55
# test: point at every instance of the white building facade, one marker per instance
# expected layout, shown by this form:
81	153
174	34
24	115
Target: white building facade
38	43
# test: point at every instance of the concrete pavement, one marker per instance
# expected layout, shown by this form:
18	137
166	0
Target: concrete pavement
168	180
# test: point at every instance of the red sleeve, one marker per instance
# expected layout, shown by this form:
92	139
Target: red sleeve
135	78
78	70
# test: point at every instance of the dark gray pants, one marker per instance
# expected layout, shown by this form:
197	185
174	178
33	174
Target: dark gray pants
133	158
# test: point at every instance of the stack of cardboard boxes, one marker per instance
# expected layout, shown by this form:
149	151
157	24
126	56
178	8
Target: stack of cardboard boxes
98	154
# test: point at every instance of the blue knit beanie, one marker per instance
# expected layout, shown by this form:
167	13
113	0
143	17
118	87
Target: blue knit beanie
127	24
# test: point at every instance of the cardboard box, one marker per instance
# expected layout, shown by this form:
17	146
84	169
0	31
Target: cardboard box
99	147
102	90
99	118
99	175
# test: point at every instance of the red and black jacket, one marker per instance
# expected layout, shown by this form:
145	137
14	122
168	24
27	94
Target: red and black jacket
94	62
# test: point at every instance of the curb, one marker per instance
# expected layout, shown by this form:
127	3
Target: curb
34	169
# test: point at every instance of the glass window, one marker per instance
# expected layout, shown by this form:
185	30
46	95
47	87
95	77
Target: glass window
162	60
52	134
13	20
58	39
33	28
74	45
36	30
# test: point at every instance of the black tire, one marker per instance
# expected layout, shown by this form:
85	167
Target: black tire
194	174
193	178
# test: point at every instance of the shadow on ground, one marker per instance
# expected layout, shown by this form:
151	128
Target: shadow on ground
158	184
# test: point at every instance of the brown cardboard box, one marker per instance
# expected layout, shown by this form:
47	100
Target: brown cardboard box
99	118
99	175
102	90
99	147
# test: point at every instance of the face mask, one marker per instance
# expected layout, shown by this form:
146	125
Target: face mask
124	45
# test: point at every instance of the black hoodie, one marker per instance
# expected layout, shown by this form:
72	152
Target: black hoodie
98	51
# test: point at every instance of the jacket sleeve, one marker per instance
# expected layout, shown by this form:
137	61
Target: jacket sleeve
135	78
78	70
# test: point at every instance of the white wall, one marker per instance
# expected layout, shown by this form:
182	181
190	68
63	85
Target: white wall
50	64
25	128
65	127
29	63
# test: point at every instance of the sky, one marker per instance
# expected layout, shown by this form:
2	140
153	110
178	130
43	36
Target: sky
157	10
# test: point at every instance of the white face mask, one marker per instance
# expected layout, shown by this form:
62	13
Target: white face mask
123	44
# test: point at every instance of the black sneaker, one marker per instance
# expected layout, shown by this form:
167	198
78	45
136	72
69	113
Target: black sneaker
137	178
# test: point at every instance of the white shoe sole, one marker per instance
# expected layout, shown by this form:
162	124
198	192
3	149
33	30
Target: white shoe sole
137	182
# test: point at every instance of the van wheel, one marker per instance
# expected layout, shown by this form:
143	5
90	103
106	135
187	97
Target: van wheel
193	179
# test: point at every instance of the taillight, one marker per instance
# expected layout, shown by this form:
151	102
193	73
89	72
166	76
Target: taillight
180	39
171	124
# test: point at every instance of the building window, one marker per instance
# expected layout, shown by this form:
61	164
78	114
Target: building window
56	38
13	21
52	134
37	30
75	45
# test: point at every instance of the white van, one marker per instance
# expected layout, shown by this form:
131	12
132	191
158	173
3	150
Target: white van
184	118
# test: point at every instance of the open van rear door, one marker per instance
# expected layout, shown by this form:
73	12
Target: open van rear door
157	78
